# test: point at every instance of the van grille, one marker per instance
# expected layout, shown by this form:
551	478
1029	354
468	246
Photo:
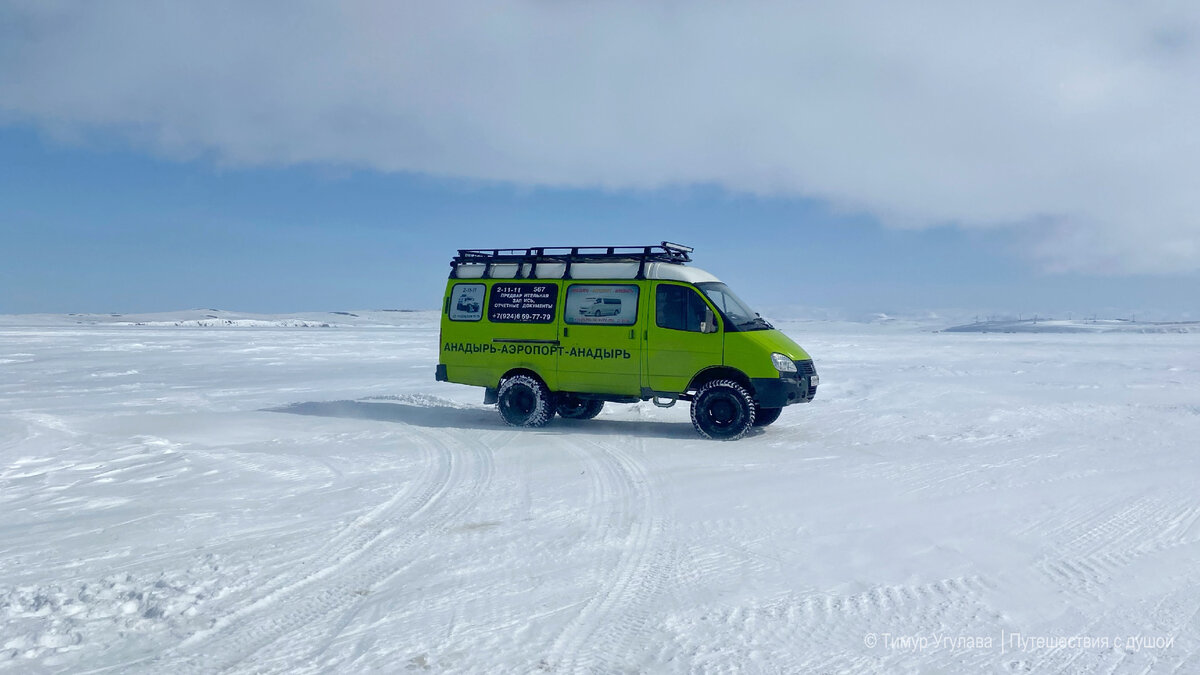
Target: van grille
805	368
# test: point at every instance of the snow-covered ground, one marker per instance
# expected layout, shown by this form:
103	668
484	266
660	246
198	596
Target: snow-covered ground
191	499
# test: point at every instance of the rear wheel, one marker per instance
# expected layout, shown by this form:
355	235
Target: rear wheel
524	401
723	410
575	408
764	416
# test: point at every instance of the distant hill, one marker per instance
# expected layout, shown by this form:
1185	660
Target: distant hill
1076	326
217	318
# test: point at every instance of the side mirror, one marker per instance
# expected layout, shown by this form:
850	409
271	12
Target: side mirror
709	325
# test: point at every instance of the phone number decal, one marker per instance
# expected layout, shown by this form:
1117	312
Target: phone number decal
522	317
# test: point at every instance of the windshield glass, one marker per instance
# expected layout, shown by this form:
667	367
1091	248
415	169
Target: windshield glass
733	308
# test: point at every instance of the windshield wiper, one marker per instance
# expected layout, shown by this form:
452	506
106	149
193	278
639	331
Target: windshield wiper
757	322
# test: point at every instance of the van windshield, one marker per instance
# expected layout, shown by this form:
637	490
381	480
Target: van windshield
738	312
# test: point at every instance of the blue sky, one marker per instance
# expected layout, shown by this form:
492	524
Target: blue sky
951	158
101	228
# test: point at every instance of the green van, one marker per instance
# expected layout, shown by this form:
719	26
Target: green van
562	330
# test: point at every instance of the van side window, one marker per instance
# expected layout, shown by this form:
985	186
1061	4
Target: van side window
466	302
678	308
604	304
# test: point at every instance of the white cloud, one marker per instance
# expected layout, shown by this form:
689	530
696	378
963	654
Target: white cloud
1078	121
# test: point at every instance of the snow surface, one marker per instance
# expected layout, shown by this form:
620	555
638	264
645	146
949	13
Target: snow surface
292	500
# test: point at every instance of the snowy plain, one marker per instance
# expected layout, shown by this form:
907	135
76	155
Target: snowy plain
261	498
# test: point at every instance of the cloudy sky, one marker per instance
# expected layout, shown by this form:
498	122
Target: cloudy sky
1017	156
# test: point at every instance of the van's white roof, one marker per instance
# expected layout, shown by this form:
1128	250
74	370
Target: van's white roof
587	270
692	275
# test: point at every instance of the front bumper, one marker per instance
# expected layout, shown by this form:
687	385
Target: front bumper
788	388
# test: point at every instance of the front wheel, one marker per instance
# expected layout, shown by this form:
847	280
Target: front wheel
723	410
575	408
524	401
764	416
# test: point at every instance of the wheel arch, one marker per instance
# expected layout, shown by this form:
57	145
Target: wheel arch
720	373
520	370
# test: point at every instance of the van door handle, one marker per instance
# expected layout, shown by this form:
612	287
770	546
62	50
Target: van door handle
631	333
566	331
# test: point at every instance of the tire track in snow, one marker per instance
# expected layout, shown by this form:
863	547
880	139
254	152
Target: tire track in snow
824	632
324	638
632	525
1146	538
391	563
1105	548
359	557
952	606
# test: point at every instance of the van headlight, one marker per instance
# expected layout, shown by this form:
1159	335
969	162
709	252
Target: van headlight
782	363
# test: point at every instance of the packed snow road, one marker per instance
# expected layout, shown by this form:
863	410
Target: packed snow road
303	499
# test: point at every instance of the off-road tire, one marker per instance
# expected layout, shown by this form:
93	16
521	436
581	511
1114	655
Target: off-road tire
575	408
764	416
524	401
723	410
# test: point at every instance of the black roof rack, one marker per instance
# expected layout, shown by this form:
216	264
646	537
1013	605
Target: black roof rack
665	252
